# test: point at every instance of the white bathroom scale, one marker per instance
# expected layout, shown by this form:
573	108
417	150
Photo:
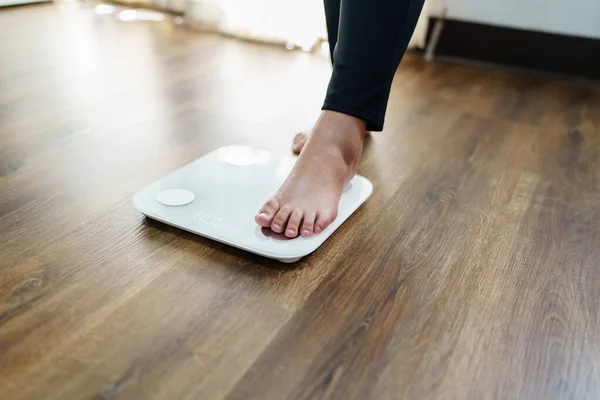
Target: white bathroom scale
218	195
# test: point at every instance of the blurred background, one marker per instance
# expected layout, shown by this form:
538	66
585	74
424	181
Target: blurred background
545	35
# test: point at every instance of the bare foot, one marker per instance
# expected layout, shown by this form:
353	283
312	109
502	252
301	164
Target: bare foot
307	202
301	138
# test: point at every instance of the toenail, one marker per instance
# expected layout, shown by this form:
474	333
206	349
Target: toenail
290	231
263	215
275	226
305	232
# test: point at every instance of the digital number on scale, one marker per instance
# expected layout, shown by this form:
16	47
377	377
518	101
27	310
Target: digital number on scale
208	219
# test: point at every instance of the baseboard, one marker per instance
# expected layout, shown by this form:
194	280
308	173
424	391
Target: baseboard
519	48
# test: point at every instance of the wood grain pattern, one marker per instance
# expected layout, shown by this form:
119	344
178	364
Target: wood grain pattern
471	273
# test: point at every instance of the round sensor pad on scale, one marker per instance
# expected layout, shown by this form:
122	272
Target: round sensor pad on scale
175	197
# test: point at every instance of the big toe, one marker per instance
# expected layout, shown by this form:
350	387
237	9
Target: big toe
267	212
299	142
299	136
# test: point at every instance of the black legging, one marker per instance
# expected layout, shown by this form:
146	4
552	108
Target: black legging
367	39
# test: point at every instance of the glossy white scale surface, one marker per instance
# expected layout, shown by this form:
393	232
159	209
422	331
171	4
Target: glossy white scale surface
218	195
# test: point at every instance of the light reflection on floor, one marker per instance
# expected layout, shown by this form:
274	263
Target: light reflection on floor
140	14
130	15
104	9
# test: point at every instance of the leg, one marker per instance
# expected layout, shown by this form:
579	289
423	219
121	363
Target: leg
372	37
332	18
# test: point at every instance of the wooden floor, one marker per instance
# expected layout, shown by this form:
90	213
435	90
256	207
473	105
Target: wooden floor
473	272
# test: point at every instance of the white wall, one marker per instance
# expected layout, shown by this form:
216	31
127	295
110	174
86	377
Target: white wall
569	17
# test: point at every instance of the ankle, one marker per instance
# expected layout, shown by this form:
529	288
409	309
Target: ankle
346	121
342	133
